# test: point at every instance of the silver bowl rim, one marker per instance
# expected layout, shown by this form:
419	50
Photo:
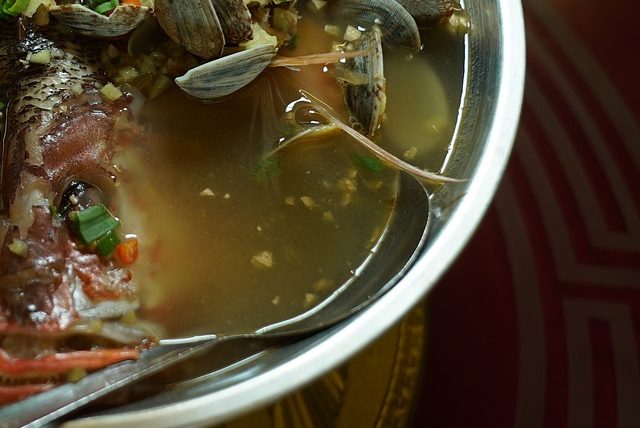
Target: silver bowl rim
357	333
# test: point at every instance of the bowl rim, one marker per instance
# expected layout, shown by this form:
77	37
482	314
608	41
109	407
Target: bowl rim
357	332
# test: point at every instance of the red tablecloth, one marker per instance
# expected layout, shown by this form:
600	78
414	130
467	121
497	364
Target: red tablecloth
538	322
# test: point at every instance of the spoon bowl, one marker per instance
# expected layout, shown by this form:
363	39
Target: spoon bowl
399	245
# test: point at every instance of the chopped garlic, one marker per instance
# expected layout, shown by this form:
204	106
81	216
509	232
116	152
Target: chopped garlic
227	196
308	201
328	216
310	300
290	200
127	74
351	33
19	247
322	286
110	92
260	37
411	153
332	30
317	5
76	374
348	185
42	57
207	192
263	260
276	300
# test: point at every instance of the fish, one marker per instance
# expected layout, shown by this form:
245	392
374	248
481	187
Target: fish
64	309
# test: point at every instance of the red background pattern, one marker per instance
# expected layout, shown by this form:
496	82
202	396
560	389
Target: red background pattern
529	329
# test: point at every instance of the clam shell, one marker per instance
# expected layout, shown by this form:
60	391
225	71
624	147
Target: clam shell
397	25
428	13
193	24
367	101
89	23
235	20
223	76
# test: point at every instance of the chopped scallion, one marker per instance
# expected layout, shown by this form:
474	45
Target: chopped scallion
106	7
106	245
368	162
94	222
14	7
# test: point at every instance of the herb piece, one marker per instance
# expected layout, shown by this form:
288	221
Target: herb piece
127	251
106	245
368	162
13	7
94	222
107	7
266	168
293	43
2	105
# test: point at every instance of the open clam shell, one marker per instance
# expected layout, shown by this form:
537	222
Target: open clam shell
193	24
367	99
397	25
89	23
223	76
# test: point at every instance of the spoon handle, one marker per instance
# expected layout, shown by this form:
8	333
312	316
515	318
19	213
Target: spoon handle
47	406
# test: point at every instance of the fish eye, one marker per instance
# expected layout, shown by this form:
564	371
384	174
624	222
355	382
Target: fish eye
79	195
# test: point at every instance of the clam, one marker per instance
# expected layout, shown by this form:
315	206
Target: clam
363	82
235	20
193	24
122	20
398	26
428	13
223	76
203	27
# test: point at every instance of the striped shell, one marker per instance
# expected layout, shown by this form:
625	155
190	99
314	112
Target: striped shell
89	23
223	76
398	26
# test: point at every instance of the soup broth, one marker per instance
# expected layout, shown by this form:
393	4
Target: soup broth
230	242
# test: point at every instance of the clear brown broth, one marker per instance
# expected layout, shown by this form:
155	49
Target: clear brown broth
201	266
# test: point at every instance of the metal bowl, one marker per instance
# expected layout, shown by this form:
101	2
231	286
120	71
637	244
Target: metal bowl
490	108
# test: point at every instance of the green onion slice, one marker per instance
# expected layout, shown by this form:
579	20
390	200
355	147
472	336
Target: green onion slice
370	163
106	245
106	7
94	222
14	7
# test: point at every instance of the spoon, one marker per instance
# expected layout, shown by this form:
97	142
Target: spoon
393	254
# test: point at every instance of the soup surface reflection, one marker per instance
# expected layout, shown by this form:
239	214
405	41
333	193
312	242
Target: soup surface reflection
230	242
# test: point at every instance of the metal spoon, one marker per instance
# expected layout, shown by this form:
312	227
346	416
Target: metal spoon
393	254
